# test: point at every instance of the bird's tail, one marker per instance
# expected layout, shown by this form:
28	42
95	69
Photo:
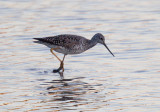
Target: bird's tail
38	40
42	41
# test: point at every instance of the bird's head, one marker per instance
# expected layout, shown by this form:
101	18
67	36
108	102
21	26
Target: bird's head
99	38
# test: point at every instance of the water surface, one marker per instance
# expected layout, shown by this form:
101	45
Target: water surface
94	80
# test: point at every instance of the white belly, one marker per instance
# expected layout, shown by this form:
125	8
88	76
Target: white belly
63	50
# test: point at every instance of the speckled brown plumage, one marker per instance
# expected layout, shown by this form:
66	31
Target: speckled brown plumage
66	40
70	44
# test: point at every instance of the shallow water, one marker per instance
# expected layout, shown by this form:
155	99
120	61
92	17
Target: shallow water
94	80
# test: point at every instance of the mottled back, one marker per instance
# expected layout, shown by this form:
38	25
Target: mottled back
66	40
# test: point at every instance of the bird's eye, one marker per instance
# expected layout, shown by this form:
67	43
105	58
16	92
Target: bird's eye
101	38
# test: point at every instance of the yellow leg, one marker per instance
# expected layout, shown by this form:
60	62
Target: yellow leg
61	64
54	53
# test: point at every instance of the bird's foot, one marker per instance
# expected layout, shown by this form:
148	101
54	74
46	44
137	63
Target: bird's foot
60	68
56	70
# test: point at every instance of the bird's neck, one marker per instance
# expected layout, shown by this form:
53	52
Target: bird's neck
92	43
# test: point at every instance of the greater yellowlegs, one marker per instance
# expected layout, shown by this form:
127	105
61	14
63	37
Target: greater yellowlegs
70	44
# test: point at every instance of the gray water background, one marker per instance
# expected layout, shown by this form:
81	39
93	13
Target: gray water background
129	82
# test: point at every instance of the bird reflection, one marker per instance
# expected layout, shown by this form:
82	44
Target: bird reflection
61	75
66	91
73	92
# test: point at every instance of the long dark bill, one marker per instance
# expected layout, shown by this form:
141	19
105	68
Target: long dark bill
108	49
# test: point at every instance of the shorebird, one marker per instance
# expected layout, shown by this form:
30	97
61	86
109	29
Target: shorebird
70	44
